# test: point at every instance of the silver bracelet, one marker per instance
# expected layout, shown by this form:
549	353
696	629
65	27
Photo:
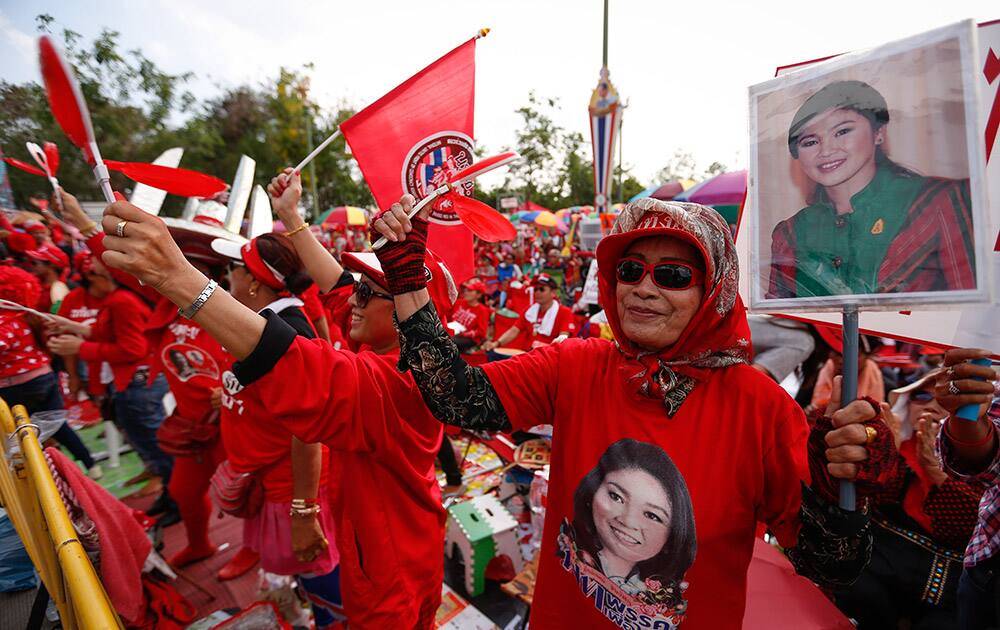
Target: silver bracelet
190	311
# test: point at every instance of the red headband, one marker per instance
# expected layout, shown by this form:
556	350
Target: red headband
259	269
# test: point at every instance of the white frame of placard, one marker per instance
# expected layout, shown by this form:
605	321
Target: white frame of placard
965	33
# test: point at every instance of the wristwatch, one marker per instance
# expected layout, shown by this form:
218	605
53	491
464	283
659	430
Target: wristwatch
194	307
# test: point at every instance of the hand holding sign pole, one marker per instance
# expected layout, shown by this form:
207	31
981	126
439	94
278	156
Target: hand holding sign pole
486	222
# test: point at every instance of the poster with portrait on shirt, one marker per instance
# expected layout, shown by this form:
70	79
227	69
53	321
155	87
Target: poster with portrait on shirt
866	182
631	538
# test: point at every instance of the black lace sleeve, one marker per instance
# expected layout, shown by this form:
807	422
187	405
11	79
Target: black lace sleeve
834	545
455	392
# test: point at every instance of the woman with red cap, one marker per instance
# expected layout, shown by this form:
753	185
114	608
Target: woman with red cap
472	315
677	379
390	523
50	265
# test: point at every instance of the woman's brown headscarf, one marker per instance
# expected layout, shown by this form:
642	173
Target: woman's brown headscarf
717	336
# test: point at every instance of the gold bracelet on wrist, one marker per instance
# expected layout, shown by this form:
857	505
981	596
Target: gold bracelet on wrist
297	230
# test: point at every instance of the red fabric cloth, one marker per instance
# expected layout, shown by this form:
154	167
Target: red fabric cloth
778	598
476	319
80	306
124	545
565	323
19	350
118	336
390	523
396	136
738	440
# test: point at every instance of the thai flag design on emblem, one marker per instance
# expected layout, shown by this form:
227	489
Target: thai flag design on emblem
437	166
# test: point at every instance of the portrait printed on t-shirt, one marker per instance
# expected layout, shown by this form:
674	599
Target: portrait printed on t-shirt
867	180
186	361
632	536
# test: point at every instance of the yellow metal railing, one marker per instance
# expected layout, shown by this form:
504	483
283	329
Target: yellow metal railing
29	494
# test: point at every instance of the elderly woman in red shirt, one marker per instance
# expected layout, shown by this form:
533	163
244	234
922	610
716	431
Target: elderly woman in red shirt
677	380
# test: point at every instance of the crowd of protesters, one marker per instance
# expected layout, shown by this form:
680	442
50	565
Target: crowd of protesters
311	388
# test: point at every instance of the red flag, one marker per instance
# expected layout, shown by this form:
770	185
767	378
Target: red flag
414	137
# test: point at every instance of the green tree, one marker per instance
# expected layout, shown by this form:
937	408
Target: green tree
130	101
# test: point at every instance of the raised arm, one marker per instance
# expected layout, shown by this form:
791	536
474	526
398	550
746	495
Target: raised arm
455	392
322	267
149	253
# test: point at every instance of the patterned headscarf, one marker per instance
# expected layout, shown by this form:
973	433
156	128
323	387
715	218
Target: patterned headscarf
717	336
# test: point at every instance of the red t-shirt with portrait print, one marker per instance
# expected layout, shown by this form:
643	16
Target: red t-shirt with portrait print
192	362
738	441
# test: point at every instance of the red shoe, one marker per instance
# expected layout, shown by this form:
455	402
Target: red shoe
244	560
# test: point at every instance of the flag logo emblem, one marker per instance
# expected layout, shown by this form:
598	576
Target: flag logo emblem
431	162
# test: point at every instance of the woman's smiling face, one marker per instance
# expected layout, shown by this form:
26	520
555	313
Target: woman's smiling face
632	515
837	147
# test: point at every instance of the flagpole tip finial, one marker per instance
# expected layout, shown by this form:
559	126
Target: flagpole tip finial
483	32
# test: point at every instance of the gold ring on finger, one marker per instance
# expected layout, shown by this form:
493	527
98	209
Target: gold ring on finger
870	434
120	229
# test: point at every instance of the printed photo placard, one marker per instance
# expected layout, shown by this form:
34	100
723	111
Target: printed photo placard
866	184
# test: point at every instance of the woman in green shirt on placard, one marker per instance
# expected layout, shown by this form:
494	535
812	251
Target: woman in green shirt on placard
871	226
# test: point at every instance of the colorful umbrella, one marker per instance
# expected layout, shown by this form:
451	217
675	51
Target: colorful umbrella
528	217
545	219
344	215
724	192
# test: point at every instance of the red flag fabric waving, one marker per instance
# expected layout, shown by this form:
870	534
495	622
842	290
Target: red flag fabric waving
414	137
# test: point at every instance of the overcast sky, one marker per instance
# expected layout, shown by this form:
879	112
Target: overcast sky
683	67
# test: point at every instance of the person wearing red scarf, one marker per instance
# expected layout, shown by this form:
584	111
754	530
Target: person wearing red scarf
542	322
390	522
668	448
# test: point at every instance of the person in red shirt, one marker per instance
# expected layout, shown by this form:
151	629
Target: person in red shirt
50	264
77	313
472	315
117	344
390	522
265	275
543	321
26	376
677	381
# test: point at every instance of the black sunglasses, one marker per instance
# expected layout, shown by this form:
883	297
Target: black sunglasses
363	294
670	276
921	396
